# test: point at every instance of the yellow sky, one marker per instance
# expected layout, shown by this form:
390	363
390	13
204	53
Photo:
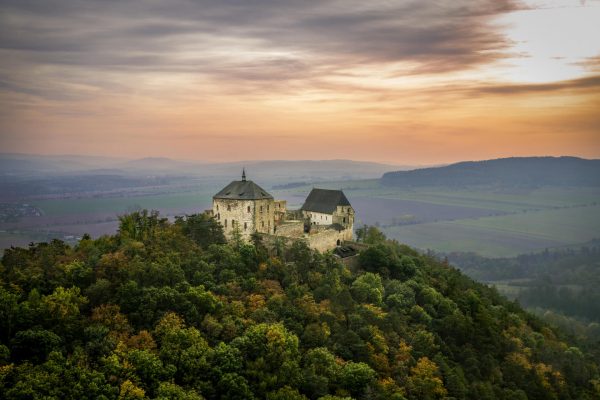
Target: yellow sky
398	82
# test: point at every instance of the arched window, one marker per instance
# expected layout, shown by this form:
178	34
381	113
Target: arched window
339	242
228	207
248	208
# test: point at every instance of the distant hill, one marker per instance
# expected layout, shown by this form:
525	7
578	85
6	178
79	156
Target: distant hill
268	171
36	164
515	171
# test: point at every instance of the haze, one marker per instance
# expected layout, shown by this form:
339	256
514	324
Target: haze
401	82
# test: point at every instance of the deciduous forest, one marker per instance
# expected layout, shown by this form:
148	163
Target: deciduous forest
168	310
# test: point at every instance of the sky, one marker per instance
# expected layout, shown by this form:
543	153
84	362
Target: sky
402	82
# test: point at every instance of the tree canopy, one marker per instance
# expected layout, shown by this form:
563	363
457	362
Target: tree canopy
166	310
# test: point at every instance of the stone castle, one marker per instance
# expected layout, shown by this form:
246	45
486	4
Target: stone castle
325	220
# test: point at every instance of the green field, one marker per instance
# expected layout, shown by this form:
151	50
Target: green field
506	235
515	221
64	207
507	201
22	239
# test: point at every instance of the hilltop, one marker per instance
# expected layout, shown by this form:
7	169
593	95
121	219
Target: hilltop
170	311
514	171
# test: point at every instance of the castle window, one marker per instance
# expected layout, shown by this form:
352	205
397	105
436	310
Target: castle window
245	225
262	224
268	207
228	207
219	216
261	208
344	219
226	223
248	208
217	207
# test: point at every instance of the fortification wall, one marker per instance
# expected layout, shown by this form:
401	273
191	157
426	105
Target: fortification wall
328	239
290	229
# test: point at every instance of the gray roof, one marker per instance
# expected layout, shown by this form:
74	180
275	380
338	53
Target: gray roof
243	190
324	200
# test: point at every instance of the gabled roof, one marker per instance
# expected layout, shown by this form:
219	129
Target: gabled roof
324	201
243	190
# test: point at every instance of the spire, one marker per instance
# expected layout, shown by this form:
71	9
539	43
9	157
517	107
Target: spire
243	174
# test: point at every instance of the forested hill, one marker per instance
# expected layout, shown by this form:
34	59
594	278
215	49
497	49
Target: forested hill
168	311
516	171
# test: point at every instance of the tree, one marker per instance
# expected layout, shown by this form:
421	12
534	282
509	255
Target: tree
368	288
271	356
356	376
425	382
203	229
141	225
370	235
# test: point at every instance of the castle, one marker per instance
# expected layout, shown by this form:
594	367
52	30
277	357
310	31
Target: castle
325	220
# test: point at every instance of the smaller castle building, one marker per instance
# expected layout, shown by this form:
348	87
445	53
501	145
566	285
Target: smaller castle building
328	207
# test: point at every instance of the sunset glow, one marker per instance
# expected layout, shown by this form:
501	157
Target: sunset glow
400	82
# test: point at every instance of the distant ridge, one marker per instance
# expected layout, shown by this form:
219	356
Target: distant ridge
514	171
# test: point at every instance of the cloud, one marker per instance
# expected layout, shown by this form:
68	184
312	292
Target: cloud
590	84
249	42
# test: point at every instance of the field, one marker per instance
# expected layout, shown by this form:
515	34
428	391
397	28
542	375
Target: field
489	221
64	207
525	223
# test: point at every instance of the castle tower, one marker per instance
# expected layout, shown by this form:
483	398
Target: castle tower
245	206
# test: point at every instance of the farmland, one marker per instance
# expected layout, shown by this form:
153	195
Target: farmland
489	221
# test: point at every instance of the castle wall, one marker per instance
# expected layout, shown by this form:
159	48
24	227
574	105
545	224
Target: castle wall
264	216
290	229
328	239
344	215
280	210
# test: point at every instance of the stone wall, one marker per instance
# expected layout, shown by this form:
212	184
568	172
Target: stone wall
280	210
234	213
344	215
245	215
328	239
264	215
290	229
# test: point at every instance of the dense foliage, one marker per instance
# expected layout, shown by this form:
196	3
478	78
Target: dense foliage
168	311
565	280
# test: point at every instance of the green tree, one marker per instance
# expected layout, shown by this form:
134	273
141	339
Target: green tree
368	288
203	229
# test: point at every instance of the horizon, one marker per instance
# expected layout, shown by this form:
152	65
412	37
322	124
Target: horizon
400	83
256	161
